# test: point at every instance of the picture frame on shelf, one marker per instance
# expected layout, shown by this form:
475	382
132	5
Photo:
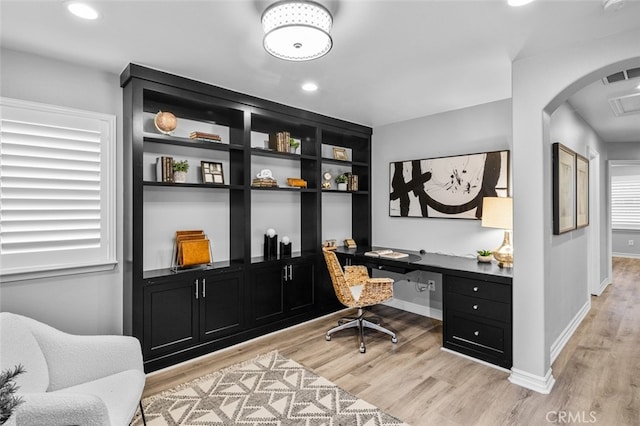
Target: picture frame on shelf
582	191
212	172
564	189
340	154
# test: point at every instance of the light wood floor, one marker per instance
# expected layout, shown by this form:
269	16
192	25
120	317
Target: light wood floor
597	374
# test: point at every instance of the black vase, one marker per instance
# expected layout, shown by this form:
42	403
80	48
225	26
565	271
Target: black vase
270	247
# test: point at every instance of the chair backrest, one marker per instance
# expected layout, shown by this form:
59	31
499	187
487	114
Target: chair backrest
18	345
340	285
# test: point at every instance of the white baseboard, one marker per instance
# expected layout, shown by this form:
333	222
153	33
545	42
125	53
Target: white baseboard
415	308
629	255
561	341
538	384
603	286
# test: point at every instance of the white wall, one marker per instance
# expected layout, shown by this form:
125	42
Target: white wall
540	84
569	253
85	303
471	130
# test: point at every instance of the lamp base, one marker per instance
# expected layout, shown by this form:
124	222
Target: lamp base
504	254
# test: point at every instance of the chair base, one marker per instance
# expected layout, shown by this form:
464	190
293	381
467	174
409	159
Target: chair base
361	323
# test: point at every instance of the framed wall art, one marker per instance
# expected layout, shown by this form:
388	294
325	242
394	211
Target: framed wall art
340	154
212	172
447	187
564	189
582	191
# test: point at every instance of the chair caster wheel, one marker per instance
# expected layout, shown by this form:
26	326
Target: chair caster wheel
394	340
362	349
327	337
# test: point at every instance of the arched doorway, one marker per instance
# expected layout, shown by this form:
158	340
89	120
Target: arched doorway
540	85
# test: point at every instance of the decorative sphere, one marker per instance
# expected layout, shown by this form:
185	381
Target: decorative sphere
165	122
285	240
271	232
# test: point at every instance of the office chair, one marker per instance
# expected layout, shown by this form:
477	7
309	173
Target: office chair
355	289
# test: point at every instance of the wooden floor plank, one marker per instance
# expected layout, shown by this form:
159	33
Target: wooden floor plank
597	373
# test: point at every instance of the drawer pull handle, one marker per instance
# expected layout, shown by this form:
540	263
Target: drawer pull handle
475	289
475	307
477	333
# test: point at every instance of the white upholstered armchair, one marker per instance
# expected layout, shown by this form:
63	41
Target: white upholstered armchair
69	379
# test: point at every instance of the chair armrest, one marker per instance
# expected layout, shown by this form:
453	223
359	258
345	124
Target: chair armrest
356	274
61	409
376	290
74	359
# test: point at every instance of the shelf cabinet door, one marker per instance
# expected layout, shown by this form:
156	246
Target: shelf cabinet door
170	312
221	305
299	286
266	293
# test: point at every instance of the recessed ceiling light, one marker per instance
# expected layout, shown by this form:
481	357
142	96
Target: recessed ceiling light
516	3
309	87
82	10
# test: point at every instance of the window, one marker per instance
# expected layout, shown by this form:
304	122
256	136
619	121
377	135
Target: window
57	184
625	201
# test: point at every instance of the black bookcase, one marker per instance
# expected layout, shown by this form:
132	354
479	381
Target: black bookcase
181	315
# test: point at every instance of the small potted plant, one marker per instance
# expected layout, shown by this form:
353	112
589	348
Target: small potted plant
180	169
484	256
293	145
341	180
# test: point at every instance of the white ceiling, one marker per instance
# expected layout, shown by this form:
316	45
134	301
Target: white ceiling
392	60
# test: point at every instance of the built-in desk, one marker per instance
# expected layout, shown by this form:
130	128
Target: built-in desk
476	299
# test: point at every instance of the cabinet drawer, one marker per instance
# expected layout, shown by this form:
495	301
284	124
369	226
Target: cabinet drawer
483	289
479	307
476	334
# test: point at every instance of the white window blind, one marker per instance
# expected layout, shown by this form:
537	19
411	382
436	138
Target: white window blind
57	189
625	202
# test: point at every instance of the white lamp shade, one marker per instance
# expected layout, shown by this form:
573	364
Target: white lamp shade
297	30
497	212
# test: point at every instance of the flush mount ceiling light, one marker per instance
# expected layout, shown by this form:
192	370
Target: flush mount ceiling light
297	30
82	10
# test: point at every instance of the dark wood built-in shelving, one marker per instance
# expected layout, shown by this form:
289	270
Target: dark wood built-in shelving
178	316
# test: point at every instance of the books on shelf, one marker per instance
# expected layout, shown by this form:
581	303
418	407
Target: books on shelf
386	253
352	182
203	136
264	183
279	141
164	169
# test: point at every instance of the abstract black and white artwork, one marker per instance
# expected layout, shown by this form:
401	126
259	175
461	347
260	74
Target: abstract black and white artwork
447	187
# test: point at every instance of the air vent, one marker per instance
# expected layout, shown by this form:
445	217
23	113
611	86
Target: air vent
626	105
622	76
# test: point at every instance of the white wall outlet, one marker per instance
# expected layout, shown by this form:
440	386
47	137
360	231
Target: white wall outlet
631	242
431	284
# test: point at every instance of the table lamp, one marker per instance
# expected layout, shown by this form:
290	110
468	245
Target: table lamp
497	212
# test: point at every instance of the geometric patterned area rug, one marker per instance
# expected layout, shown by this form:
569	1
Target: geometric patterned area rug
269	390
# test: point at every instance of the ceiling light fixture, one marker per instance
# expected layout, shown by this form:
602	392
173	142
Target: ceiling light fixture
297	30
516	3
82	10
309	87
